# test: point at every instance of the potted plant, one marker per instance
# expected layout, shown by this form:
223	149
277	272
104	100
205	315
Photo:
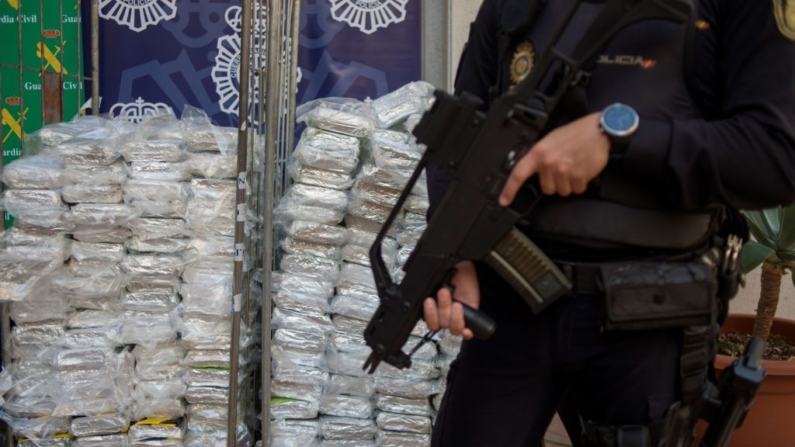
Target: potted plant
768	423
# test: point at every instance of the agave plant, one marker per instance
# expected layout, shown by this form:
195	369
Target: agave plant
774	249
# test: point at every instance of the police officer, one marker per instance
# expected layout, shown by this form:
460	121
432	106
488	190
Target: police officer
683	125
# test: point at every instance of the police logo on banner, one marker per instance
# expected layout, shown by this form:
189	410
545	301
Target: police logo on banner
135	112
369	15
784	10
138	14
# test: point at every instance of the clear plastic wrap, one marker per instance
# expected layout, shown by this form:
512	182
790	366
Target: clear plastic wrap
412	389
403	423
86	393
417	204
449	345
152	406
48	442
412	121
211	217
159	265
207	297
285	408
306	248
203	137
40	342
202	417
298	358
391	135
206	395
327	269
54	134
355	307
368	210
205	246
344	428
95	337
367	238
158	170
83	359
92	193
117	235
386	197
347	363
367	225
143	431
384	178
40	308
349	325
161	246
338	115
114	173
157	443
301	303
356	276
296	382
100	216
158	357
403	405
397	439
346	443
150	301
87	251
395	107
102	441
140	283
98	425
210	271
214	189
395	156
359	254
404	254
94	319
317	232
209	377
344	342
411	228
351	385
16	201
205	331
42	171
37	427
306	285
20	279
308	175
147	228
174	209
426	352
294	433
153	150
212	166
147	329
93	269
300	340
90	149
329	151
200	438
207	358
346	406
155	191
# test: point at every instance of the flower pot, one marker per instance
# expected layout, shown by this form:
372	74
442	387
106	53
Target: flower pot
769	422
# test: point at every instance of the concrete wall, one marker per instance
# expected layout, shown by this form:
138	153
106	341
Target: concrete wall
451	23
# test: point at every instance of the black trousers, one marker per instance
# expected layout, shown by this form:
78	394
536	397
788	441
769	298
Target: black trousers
503	392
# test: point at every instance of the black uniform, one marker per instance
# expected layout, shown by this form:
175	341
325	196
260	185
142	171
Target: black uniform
717	128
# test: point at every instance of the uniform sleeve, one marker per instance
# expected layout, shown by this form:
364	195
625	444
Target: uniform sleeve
744	156
477	72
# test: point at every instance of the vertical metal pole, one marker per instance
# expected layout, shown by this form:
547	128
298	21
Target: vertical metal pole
21	81
5	320
291	93
95	57
240	223
272	97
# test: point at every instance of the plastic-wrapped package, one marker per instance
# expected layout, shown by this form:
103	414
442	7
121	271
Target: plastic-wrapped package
21	278
83	359
426	352
306	248
296	382
449	344
96	149
368	210
17	200
40	308
417	204
117	235
93	269
301	303
210	271
42	171
199	438
356	276
143	431
147	228
412	121
157	443
346	406
346	443
367	239
395	107
37	427
214	189
86	292
349	325
207	358
162	265
354	307
140	283
412	389
95	318
86	393
395	156
299	340
87	251
286	408
102	441
114	173
150	301
397	439
207	298
95	337
92	193
101	216
367	225
206	216
329	151
344	428
294	433
158	170
203	417
402	405
327	269
312	204
411	228
161	246
158	357
56	219
205	246
385	178
36	341
404	254
349	343
403	423
153	150
49	442
347	363
317	232
306	285
344	116
148	329
390	135
359	254
298	358
368	192
33	237
174	209
155	191
210	165
206	331
308	175
204	138
98	425
209	377
351	385
152	406
206	395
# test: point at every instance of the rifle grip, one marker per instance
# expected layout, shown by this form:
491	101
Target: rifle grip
481	325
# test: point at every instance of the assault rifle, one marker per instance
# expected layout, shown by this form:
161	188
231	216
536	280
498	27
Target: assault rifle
480	150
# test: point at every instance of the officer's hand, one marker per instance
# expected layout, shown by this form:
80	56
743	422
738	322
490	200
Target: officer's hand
443	313
565	160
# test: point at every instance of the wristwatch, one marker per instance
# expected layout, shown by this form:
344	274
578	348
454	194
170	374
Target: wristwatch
619	122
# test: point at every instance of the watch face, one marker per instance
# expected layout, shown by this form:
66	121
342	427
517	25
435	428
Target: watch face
620	119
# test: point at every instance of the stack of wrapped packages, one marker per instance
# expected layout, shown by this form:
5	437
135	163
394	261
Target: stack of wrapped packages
119	273
350	166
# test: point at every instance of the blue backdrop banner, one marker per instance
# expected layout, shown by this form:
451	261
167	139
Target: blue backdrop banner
172	53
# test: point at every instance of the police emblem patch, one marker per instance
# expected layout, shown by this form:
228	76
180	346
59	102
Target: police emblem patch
522	63
784	11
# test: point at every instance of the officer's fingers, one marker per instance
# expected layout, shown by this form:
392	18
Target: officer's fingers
457	319
562	182
431	314
578	186
444	302
468	335
547	179
524	169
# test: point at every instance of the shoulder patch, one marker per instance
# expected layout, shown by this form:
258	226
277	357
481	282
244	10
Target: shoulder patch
784	11
522	63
